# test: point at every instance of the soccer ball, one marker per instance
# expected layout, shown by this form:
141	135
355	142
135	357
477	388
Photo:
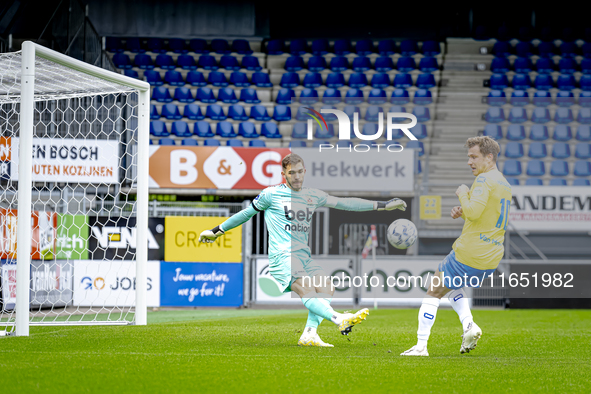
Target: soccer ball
402	234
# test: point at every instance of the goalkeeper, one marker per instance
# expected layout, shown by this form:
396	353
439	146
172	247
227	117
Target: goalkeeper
288	214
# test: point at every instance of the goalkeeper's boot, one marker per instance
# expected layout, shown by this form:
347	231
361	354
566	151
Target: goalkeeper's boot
416	350
351	319
470	338
309	339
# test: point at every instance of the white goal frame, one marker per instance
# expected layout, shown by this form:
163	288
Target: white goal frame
29	51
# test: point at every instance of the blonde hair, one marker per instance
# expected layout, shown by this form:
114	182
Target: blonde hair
486	145
291	159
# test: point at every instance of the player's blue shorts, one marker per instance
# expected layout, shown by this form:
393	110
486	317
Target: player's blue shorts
457	275
288	267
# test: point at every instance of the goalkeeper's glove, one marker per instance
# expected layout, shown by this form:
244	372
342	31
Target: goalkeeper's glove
394	203
208	236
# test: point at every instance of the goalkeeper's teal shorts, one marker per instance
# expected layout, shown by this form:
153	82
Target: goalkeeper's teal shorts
286	268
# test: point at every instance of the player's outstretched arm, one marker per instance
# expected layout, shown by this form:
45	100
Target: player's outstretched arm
209	236
360	205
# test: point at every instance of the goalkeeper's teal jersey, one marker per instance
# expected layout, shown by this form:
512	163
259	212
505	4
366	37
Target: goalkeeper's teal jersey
288	215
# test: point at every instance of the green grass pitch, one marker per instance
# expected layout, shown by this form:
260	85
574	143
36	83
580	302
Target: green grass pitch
255	351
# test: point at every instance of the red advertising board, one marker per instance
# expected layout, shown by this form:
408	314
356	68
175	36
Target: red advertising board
43	234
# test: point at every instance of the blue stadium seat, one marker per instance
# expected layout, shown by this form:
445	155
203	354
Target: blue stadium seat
384	64
275	47
339	63
114	44
521	82
165	62
586	49
320	47
331	96
285	96
217	78
309	96
373	112
313	80
500	65
561	150
219	45
544	82
502	49
335	80
354	96
121	60
498	81
166	141
586	66
519	98
546	49
199	45
542	98
431	48
562	133
342	47
298	46
395	109
422	114
409	48
406	64
517	115
249	95
540	115
379	80
584	116
202	129
239	79
583	133
361	64
582	168
557	182
154	115
377	96
215	112
237	112
537	150
585	82
131	73
153	78
235	143
189	142
563	115
227	96
205	95
225	130
261	80
534	182
494	115
196	78
513	181
211	142
282	113
400	97
241	47
297	144
428	65
515	132
416	145
493	131
419	131
350	110
302	114
247	130
581	182
251	63
566	82
422	97
193	112
369	129
158	129
565	99
207	62
270	130
259	112
299	130
585	99
324	133
294	63
544	66
404	81
329	117
161	94
386	47
536	168
229	62
133	44
539	133
514	150
424	81
257	144
496	98
567	66
316	63
143	61
559	168
290	80
171	112
180	129
568	49
364	47
174	78
178	45
523	65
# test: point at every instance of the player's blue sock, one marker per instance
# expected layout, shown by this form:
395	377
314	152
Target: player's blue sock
320	307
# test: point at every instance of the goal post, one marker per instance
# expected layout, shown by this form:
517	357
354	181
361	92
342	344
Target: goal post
67	100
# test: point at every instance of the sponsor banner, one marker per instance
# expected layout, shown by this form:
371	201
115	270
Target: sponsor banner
268	289
107	283
182	241
72	237
115	238
546	208
51	283
4	158
43	234
67	160
8	284
201	284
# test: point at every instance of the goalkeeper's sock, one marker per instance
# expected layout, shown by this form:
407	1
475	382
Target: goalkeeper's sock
460	303
319	307
313	322
427	315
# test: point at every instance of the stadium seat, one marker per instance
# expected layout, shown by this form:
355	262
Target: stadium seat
114	44
517	115
270	130
559	168
215	112
400	97
384	64
166	141
369	129
261	80
500	65
259	112
404	81
331	96
294	63
165	62
342	47
498	82
428	65
562	133
521	82
320	47
298	46
539	133
239	79
361	64
557	182
285	96
235	143
419	131
154	115
561	150
241	47
299	130
543	82
380	80
422	97
567	66
207	62
180	129
354	96
335	80
309	96
131	73
161	94
406	64
566	82
534	182
502	49
424	81
513	181
202	129
198	45
211	142
563	116
565	99
225	130
189	142
584	116
217	78
586	65
537	150
568	49
515	132
494	115
339	63
512	167
227	96
409	48
422	114
519	98
220	45
416	145
158	129
581	182
583	133
523	65
496	98
372	113
377	97
205	95
514	150
193	112
328	116
540	115
174	78
398	109
364	47
324	133
582	168
237	112
585	82
586	49
302	114
229	62
247	130
313	80
544	66
143	61
153	78
251	63
275	47
431	48
290	80
493	131
297	144
542	98
316	63
357	80
282	113
546	49
171	112
585	99
386	47
121	60
133	44
177	45
196	78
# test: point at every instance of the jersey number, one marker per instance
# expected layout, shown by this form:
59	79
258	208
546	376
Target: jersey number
504	217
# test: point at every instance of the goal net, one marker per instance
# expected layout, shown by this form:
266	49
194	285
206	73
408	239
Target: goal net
73	201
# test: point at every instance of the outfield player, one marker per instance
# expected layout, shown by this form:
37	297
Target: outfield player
478	250
288	214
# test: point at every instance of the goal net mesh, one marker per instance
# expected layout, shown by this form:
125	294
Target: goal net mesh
84	147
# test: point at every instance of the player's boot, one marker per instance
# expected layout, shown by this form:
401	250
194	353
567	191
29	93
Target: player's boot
312	340
470	338
351	319
416	351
